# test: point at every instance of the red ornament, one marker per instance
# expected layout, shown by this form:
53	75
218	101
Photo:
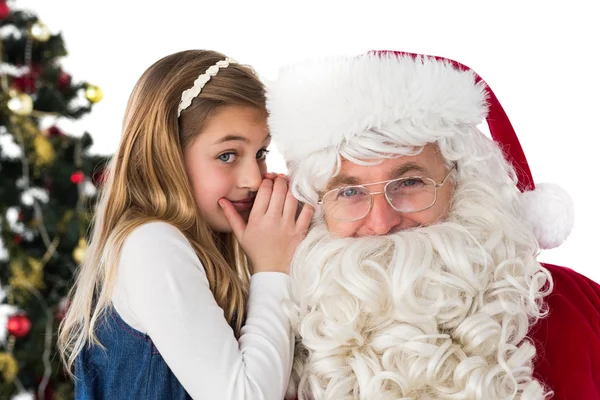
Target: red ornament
77	177
64	80
63	307
99	177
18	325
4	10
53	131
25	83
18	239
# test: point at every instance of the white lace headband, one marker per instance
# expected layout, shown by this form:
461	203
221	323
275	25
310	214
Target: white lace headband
190	94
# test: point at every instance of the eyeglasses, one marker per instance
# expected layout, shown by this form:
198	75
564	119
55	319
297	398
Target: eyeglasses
406	195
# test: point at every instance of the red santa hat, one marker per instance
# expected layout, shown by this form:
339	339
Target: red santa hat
318	105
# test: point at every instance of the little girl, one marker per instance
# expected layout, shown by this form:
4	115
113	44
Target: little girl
183	287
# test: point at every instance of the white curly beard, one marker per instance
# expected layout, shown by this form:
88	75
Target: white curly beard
439	312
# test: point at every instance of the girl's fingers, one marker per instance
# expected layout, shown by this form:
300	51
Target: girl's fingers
263	198
304	218
290	207
237	223
278	197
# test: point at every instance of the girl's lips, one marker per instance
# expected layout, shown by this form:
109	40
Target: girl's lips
243	205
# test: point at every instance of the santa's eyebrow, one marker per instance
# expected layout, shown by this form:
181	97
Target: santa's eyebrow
341	180
345	180
404	168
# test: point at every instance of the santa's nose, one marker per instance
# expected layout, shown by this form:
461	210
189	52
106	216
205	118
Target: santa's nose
382	219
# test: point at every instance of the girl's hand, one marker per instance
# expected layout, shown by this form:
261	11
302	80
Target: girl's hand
273	175
273	232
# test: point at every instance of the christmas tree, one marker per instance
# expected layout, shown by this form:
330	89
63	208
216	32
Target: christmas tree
48	184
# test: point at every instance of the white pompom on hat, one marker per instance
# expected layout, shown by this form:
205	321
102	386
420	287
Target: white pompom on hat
320	104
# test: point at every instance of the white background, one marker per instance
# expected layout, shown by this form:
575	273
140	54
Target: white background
539	57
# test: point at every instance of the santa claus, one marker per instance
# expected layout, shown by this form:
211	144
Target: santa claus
418	278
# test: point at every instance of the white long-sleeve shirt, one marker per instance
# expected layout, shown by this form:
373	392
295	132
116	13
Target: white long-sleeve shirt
162	290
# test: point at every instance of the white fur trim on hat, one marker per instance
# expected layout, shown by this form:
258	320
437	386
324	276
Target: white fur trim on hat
319	104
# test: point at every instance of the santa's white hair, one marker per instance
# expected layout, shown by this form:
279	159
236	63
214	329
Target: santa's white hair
437	312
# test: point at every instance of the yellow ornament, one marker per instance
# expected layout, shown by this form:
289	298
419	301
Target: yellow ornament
9	367
30	276
20	104
40	32
79	252
44	151
29	128
93	93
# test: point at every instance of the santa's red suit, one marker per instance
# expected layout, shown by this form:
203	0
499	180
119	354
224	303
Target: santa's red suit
568	340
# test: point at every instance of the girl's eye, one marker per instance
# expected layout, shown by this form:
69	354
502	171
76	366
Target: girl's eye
262	154
227	158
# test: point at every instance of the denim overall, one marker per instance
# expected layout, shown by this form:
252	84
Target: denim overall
129	367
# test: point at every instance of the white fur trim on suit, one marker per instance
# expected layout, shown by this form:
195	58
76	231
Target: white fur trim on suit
319	104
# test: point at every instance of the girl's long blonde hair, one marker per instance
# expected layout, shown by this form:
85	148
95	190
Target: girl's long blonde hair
147	181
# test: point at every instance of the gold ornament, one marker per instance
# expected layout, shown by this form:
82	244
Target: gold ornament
79	252
44	151
9	367
40	32
30	277
28	127
20	104
94	93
